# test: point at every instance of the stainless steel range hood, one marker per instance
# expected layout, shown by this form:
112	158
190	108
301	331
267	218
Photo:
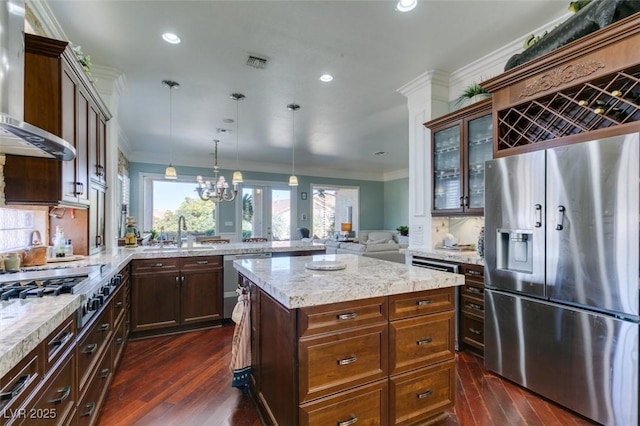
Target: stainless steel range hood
16	136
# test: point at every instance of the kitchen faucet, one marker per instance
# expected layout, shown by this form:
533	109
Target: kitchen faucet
184	228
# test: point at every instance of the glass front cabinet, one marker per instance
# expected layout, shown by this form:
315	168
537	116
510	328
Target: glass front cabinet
461	142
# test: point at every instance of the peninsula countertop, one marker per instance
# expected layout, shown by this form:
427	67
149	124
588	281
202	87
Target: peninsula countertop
24	323
290	282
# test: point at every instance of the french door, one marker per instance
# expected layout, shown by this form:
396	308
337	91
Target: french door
266	211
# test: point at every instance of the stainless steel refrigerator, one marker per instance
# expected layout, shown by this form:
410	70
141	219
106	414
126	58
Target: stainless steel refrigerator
562	275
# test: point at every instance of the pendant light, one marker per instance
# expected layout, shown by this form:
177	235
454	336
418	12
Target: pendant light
293	179
237	175
170	171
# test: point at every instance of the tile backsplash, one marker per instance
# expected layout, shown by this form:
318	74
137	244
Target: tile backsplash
465	229
17	225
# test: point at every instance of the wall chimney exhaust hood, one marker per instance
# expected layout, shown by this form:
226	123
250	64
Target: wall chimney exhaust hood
16	136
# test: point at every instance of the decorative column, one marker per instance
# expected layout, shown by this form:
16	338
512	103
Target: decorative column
427	97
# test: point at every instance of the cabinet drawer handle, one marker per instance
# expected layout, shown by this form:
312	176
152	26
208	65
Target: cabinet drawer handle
424	302
351	421
119	305
202	262
424	341
105	373
474	306
425	394
350	315
104	327
89	349
65	391
349	360
20	384
474	331
64	339
157	265
474	290
472	272
119	341
91	406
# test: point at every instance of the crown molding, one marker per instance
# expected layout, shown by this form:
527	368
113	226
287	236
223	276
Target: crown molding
425	79
46	19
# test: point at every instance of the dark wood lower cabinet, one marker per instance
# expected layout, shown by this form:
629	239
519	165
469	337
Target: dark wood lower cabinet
382	361
472	310
175	294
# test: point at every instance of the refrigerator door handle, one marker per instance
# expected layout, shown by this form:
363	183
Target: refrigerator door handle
538	215
559	226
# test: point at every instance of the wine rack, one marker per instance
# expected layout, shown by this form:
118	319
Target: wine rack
608	101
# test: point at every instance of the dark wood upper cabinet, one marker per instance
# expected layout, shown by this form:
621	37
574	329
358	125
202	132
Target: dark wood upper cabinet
461	142
60	99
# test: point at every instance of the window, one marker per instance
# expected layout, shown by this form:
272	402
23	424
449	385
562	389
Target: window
165	201
332	206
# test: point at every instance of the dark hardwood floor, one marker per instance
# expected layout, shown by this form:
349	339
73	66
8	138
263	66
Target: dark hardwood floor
157	384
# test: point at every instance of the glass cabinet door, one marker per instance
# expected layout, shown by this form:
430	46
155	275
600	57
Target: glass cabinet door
446	169
480	149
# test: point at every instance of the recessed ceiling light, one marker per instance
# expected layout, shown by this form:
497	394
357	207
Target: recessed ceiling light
171	38
228	120
380	153
406	5
326	78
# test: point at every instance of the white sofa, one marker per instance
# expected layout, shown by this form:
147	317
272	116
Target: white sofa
378	244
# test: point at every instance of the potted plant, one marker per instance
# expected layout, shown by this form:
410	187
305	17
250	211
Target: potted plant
403	230
471	94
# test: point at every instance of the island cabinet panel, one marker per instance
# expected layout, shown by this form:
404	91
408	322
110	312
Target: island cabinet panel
276	363
366	405
421	394
339	361
335	364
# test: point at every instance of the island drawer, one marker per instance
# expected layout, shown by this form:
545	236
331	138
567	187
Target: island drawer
141	266
473	290
420	341
420	303
341	316
421	394
336	362
365	405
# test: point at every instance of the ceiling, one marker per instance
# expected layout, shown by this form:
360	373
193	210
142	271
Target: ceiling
369	47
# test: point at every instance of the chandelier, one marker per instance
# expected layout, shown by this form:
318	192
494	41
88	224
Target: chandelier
218	190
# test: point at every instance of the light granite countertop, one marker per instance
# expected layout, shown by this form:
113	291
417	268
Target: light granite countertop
470	257
25	323
289	281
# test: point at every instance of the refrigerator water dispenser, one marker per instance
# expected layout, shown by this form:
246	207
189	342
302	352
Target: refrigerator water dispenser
515	250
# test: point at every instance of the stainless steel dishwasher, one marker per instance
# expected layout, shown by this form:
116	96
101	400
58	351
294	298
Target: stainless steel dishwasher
231	279
454	268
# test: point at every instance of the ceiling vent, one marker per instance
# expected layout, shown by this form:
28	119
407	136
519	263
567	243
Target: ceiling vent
256	62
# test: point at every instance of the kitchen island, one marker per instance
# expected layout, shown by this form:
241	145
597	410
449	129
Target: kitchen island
369	341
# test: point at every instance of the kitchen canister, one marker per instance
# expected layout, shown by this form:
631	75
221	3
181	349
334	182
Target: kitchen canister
480	246
12	262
